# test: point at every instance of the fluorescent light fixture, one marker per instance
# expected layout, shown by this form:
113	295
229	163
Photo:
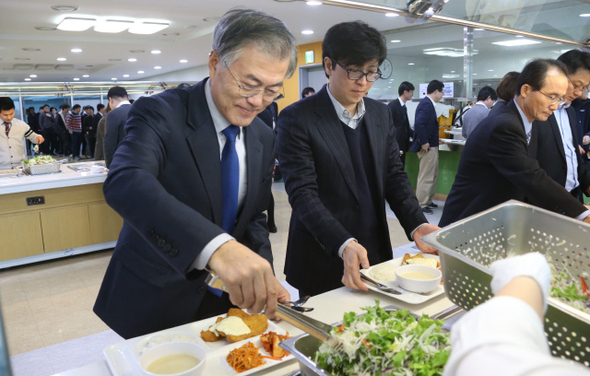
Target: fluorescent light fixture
112	26
395	41
452	71
76	24
140	72
410	63
132	59
183	61
478	29
585	15
446	51
76	79
391	14
314	3
125	75
61	59
519	36
157	67
76	50
475	74
114	78
307	32
27	79
32	75
147	27
516	42
156	52
490	70
85	76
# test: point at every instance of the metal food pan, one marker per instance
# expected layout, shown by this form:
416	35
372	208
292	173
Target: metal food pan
468	247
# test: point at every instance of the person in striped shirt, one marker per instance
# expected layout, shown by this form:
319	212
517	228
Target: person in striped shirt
74	126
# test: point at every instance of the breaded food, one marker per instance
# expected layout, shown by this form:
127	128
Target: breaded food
209	336
257	324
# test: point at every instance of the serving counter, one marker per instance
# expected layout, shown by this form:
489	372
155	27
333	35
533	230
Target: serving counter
55	215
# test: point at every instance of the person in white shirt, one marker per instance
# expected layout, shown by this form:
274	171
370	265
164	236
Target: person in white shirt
12	131
505	335
485	100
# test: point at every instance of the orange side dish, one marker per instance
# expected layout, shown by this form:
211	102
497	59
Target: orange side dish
271	341
245	357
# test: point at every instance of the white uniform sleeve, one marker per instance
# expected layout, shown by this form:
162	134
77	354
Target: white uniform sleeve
504	336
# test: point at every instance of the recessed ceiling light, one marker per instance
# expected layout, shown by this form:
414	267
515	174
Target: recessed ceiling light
452	71
410	63
211	19
137	51
112	26
140	72
516	42
114	78
478	29
490	70
114	59
395	41
76	50
61	59
307	32
475	74
76	79
125	75
391	14
171	34
64	8
190	27
22	58
76	24
28	49
33	75
45	28
519	36
558	43
157	67
85	76
147	27
314	3
184	61
585	15
132	59
27	79
156	52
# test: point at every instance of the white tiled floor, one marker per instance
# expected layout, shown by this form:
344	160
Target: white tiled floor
49	303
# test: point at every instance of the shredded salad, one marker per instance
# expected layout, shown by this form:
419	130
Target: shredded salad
568	289
42	159
387	343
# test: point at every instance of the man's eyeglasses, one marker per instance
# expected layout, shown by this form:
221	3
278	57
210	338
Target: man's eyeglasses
579	88
554	100
249	91
354	74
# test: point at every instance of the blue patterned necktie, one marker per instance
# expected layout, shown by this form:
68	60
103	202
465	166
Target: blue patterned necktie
230	178
7	126
528	138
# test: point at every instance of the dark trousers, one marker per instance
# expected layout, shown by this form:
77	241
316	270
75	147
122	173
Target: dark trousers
76	142
271	212
50	144
90	144
65	142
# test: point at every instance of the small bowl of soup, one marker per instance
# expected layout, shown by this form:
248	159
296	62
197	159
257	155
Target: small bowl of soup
174	359
418	278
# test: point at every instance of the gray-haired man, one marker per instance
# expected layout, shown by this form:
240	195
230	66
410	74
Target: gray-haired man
192	179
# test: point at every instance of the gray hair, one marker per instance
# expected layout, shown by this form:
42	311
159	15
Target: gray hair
239	28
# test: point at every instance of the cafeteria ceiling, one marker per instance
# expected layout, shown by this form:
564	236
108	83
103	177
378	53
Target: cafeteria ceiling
25	50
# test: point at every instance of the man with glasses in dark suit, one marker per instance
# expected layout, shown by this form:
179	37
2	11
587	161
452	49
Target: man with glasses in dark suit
399	112
341	164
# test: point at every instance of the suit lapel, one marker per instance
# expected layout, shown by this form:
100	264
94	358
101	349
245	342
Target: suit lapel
557	134
204	146
330	127
373	127
573	118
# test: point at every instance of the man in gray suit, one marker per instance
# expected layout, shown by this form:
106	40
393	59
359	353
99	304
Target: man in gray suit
480	110
341	163
115	122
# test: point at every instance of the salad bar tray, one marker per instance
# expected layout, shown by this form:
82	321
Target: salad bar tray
468	247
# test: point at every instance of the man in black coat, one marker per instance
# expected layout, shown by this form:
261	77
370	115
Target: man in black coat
399	113
495	165
340	161
115	122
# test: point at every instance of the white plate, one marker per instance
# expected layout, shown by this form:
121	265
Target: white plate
123	358
8	173
406	296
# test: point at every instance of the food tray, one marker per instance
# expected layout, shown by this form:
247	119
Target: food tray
123	357
46	168
468	247
406	296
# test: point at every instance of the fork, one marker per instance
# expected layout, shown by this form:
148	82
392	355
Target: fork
381	286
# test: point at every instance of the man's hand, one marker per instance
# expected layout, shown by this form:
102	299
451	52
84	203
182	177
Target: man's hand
425	229
441	141
586	140
247	277
587	219
581	150
426	147
40	139
353	255
71	132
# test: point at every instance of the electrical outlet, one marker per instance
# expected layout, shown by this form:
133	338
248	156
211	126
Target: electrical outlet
39	200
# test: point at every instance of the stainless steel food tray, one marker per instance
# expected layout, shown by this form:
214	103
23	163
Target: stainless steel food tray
468	247
46	168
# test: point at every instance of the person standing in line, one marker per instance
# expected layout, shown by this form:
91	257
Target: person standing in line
115	126
65	139
100	130
47	126
341	165
269	117
399	113
495	165
425	144
89	131
485	100
12	132
74	127
307	92
192	179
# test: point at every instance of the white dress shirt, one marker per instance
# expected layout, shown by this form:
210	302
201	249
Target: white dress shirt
571	158
220	124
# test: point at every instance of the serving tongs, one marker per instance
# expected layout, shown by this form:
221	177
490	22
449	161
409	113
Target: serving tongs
318	329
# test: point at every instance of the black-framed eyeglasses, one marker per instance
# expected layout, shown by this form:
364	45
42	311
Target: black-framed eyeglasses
249	91
355	74
554	100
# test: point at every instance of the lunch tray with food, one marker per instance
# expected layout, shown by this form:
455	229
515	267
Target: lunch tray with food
468	247
260	351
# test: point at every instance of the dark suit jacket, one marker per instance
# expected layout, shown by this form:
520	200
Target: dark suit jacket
550	152
495	167
115	131
425	125
165	181
319	178
402	124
